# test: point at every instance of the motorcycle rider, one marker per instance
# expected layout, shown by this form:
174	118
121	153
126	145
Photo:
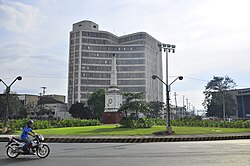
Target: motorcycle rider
24	136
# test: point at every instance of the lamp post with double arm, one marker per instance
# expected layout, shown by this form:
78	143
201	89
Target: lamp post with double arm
168	119
7	91
167	48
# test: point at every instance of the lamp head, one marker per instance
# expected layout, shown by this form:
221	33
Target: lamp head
154	77
19	78
180	77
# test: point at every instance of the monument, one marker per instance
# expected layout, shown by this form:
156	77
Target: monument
113	98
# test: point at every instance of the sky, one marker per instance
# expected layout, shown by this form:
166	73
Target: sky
212	38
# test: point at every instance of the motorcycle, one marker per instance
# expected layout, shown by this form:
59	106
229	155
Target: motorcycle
14	147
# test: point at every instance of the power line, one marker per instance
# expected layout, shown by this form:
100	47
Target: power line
198	79
38	77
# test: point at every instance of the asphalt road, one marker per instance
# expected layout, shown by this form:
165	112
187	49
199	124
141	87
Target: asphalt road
215	153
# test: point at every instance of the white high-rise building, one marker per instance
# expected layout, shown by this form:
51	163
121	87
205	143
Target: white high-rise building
90	60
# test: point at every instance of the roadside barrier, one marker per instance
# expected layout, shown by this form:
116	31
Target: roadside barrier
137	140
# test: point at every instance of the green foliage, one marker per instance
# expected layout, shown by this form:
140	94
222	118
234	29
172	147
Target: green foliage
155	108
215	91
134	104
14	106
140	123
96	103
159	122
44	124
2	107
211	123
80	110
76	123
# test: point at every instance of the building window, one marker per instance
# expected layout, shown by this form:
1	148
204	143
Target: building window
77	47
77	34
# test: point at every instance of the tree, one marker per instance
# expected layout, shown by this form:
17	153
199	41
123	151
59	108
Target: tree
80	110
156	108
14	106
22	113
2	107
46	113
96	103
217	99
134	104
34	108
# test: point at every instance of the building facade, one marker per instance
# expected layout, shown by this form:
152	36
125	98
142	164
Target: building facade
56	103
242	97
90	61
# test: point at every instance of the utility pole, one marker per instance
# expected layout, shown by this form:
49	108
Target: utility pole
175	102
183	105
7	91
44	89
175	99
187	103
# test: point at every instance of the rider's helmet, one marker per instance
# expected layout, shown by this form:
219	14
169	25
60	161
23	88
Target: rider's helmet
30	122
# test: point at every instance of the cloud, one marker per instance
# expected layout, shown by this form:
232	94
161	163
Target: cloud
211	36
18	17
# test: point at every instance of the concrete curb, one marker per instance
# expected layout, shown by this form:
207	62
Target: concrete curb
137	139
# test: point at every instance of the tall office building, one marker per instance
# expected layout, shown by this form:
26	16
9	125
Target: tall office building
90	61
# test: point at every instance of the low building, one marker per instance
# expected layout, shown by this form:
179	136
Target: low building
177	112
27	99
56	104
243	103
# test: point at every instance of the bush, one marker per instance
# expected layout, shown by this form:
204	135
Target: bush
44	124
211	123
140	123
159	122
76	123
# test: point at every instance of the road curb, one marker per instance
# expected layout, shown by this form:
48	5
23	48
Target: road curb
137	140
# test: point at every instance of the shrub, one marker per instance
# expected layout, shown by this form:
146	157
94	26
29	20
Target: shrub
140	123
211	123
44	124
159	122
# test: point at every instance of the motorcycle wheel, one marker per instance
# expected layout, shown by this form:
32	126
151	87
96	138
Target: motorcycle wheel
43	151
12	151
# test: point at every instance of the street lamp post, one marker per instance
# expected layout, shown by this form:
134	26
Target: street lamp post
167	48
168	119
7	91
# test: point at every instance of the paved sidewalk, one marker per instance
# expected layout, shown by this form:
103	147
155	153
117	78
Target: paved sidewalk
138	139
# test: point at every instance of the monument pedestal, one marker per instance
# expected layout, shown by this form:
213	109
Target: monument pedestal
112	117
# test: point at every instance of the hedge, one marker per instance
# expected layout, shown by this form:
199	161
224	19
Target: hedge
140	123
211	123
44	124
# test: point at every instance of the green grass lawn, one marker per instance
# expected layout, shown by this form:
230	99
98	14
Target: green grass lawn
110	130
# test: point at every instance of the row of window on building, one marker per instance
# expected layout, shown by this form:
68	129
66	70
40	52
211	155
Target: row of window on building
107	82
106	55
103	41
107	48
109	36
105	68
